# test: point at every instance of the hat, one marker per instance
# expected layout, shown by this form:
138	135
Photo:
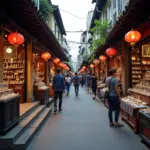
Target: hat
112	70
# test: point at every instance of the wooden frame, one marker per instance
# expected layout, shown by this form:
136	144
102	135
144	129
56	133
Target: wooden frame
146	50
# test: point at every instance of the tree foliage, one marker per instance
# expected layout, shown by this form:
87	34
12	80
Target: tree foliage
101	31
46	9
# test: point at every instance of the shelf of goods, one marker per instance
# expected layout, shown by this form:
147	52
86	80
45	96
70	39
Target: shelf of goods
144	118
138	99
41	91
102	92
9	108
100	86
14	75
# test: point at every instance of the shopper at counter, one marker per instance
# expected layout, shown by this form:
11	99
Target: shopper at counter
113	98
58	86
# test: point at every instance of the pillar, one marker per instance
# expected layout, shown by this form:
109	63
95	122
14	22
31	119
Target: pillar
125	73
29	73
46	73
1	58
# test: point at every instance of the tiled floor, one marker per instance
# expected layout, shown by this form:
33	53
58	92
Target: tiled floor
83	125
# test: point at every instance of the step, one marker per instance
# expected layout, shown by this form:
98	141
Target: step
28	110
23	141
13	134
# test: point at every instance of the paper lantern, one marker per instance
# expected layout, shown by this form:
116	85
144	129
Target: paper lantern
133	37
102	58
56	60
96	61
91	65
60	64
111	52
65	66
46	56
15	38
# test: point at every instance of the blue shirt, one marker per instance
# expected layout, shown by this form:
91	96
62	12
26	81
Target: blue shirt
58	83
88	79
76	80
111	83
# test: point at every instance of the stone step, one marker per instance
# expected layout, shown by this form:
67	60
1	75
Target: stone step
28	110
23	141
12	135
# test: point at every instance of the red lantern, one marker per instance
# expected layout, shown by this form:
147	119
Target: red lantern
91	66
46	56
64	66
15	38
102	58
60	64
111	52
56	60
133	37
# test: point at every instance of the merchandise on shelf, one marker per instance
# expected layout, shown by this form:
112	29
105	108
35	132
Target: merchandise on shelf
14	71
38	82
101	85
6	93
143	87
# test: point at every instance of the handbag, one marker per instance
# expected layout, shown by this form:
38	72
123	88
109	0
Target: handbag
108	91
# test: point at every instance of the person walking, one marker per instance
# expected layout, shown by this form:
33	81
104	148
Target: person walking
113	98
76	81
67	83
58	86
94	85
88	82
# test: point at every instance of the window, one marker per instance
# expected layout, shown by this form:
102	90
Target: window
114	4
83	39
114	18
119	6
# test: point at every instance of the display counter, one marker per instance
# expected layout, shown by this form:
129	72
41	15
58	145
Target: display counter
129	111
144	118
9	109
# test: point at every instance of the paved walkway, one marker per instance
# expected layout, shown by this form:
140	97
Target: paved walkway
83	125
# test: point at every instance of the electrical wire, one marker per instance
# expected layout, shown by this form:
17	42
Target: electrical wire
72	14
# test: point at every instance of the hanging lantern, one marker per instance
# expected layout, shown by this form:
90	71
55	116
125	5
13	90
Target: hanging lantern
91	65
60	64
56	60
133	37
15	38
96	61
46	56
111	52
102	58
65	66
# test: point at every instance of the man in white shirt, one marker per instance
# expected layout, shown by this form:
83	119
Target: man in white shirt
67	83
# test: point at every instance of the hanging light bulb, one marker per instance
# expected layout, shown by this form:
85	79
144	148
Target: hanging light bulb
9	50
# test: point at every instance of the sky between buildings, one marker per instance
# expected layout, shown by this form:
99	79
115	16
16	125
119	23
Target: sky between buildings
78	8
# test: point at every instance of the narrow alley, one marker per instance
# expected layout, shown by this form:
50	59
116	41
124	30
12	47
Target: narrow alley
83	125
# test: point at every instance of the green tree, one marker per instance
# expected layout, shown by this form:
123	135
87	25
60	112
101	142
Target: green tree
101	30
46	9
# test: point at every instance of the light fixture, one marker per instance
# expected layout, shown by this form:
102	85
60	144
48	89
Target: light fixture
8	50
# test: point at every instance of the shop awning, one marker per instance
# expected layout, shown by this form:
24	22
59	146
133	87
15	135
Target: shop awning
26	15
136	13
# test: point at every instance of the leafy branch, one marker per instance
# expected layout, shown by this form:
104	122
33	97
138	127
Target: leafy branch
46	9
101	31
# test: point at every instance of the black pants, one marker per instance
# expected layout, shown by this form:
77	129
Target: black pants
114	105
94	88
76	87
58	94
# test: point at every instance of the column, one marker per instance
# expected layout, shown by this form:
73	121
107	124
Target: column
29	73
125	76
46	73
1	58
